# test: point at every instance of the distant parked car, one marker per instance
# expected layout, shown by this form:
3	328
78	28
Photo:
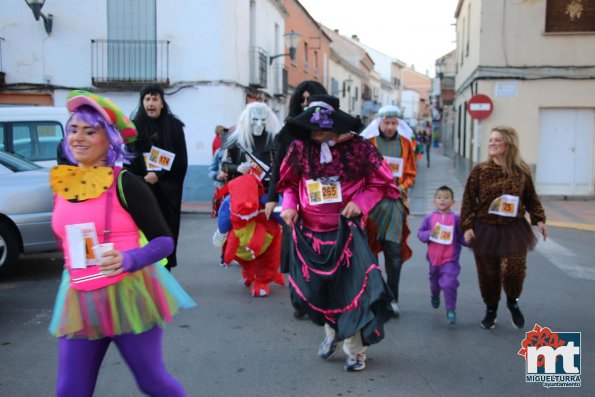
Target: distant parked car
32	132
26	203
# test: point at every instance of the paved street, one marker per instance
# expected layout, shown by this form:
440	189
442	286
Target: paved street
236	345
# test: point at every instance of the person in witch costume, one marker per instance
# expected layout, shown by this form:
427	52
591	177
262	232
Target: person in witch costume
124	295
298	102
157	126
330	179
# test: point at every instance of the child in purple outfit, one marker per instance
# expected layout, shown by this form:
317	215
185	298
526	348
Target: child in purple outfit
441	231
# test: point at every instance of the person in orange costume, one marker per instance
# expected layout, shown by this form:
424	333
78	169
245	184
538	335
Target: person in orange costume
254	241
388	229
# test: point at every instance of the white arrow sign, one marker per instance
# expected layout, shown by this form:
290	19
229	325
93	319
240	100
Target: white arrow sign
480	107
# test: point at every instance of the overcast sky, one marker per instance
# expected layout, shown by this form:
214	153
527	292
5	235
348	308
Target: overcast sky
414	31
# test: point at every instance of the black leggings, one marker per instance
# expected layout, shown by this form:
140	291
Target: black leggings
393	262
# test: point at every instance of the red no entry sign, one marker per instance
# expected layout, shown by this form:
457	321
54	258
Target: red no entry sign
480	106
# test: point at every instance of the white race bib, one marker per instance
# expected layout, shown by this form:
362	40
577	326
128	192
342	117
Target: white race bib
160	158
324	191
80	238
505	205
396	165
442	234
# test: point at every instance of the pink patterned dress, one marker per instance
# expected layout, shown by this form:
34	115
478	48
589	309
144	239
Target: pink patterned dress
334	277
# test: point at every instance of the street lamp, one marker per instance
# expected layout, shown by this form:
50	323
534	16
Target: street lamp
291	41
35	6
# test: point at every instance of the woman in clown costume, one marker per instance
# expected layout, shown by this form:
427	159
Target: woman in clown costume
125	296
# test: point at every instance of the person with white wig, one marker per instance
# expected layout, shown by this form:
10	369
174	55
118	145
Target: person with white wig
250	143
252	137
388	230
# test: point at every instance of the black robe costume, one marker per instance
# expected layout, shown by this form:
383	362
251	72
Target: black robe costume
165	132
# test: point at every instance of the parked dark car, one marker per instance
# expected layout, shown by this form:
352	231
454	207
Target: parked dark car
26	203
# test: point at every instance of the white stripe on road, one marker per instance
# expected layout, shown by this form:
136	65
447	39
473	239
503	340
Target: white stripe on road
564	259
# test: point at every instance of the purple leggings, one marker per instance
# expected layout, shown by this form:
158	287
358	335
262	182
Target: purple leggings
79	361
445	278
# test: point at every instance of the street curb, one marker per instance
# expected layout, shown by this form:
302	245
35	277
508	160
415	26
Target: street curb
568	225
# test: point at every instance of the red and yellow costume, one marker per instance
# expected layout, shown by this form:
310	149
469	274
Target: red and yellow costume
254	242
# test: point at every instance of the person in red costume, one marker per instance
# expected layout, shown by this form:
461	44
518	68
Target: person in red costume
254	241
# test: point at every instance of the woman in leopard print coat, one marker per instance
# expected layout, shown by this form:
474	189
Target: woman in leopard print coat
497	194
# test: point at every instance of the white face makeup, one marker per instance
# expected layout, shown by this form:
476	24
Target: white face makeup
257	121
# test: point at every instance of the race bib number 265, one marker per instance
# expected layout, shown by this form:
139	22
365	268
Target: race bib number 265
324	191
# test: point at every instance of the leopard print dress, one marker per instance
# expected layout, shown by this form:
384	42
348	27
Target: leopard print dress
497	235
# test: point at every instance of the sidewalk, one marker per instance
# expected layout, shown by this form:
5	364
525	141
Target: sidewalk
575	214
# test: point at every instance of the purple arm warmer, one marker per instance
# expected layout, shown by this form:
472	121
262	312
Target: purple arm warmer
157	249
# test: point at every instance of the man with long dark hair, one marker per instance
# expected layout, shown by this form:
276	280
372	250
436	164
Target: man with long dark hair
158	127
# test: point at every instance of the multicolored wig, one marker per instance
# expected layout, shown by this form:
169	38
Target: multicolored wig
116	151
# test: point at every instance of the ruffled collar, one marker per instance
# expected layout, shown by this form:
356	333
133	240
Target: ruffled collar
75	183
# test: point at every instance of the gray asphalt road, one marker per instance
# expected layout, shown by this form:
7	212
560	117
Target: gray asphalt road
236	345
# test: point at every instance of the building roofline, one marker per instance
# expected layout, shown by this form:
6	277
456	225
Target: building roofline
313	20
458	9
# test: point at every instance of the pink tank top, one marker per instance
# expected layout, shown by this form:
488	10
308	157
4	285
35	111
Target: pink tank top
124	233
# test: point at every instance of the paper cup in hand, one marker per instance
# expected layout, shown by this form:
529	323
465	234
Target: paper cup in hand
100	249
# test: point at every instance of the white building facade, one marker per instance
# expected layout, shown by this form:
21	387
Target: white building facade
211	57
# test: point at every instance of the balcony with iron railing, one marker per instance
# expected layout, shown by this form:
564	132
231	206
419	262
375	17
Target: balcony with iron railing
129	63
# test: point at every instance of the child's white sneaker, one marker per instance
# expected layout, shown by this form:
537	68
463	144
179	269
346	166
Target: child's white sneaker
219	238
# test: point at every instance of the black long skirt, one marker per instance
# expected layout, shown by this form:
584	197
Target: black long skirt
335	279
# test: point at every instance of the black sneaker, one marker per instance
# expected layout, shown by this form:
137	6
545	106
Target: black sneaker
435	301
518	320
489	321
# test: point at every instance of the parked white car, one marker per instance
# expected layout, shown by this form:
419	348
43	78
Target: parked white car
32	132
26	204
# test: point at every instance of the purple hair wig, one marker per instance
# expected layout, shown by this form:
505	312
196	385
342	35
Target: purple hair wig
116	151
